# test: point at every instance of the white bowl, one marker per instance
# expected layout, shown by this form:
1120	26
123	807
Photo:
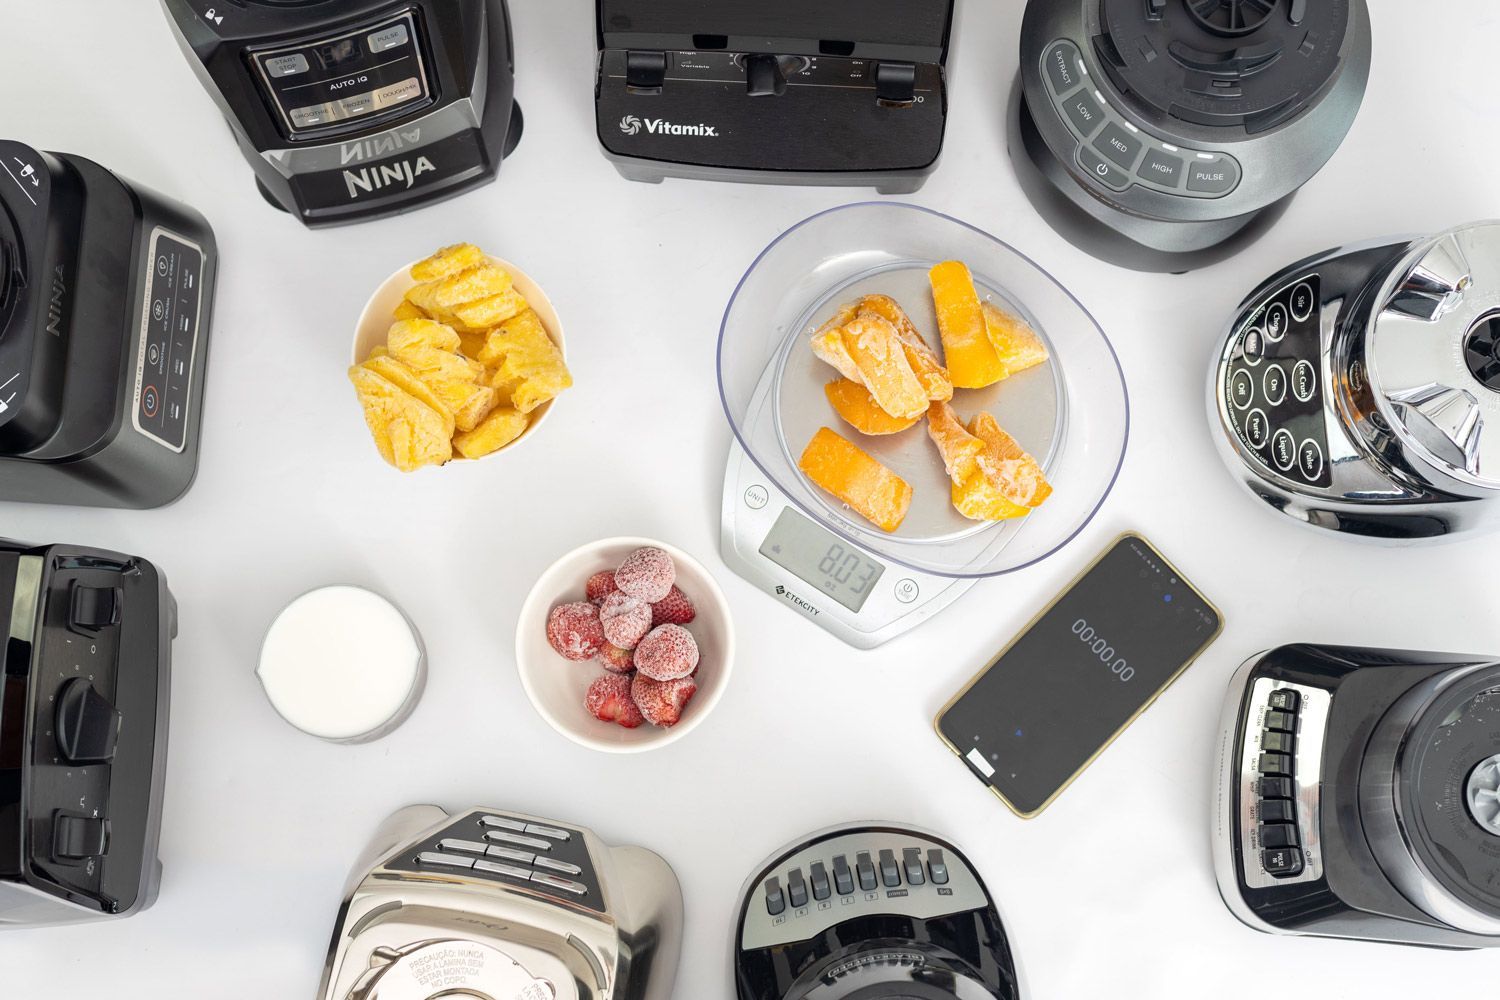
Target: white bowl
376	320
557	686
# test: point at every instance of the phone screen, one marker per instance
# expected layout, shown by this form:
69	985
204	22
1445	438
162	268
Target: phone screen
1082	672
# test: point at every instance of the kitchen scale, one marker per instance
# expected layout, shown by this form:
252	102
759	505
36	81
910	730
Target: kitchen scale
802	545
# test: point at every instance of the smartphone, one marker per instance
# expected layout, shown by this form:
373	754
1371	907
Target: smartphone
1080	673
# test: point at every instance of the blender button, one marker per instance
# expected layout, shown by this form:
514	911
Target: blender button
1278	811
866	871
796	888
1254	346
890	872
500	868
466	846
1310	459
1161	168
504	824
1276	788
1216	175
1241	389
1284	450
1278	764
562	867
516	840
1277	742
1302	302
1062	67
551	832
1284	699
1276	322
1284	722
818	874
510	854
1273	384
775	898
561	884
1116	143
1281	862
1278	835
907	591
1304	380
1084	112
433	859
1102	170
1257	429
291	65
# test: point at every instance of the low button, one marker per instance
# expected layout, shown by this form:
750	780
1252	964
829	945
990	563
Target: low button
1302	302
1241	389
1284	450
1310	459
1102	170
1273	383
1304	380
1117	144
1257	429
1062	67
1161	168
1216	176
1084	112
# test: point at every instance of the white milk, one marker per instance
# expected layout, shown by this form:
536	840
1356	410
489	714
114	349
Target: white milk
342	664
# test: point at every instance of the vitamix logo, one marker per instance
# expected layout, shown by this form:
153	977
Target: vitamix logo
631	125
794	599
402	175
55	304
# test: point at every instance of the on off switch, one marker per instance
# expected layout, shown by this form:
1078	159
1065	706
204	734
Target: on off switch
896	84
77	838
87	724
94	608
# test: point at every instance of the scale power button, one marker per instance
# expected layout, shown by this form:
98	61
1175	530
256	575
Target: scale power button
756	497
907	591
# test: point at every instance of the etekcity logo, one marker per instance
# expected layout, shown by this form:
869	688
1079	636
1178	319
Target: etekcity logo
792	598
780	590
631	125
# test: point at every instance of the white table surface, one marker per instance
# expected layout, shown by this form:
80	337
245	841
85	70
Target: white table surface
1110	893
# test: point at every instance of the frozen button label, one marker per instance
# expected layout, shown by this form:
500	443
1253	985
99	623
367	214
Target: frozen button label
1217	175
1062	67
1161	168
1084	112
291	65
1119	145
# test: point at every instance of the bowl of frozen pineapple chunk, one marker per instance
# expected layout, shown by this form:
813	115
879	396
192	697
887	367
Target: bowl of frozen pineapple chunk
456	357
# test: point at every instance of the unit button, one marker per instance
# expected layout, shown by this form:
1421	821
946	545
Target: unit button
1242	389
291	65
1257	429
1062	67
1276	322
1161	168
1116	143
1084	112
1302	302
1284	450
1254	347
1102	170
1282	862
1273	383
1216	176
1310	459
390	38
1304	380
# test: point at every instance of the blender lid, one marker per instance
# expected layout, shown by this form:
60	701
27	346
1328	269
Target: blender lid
1433	355
1226	63
447	968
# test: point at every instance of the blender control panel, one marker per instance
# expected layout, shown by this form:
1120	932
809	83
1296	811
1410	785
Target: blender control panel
1279	787
863	874
373	72
1273	393
171	313
511	850
1117	153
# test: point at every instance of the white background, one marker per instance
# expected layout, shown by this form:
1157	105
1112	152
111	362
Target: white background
1109	894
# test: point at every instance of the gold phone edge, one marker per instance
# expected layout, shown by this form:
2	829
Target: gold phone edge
937	720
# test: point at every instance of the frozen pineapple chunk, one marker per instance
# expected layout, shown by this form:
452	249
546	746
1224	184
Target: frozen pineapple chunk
494	432
525	362
408	433
447	262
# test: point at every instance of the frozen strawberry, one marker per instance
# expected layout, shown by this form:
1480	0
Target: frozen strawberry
625	619
674	609
575	631
600	586
667	653
647	574
617	660
662	702
609	700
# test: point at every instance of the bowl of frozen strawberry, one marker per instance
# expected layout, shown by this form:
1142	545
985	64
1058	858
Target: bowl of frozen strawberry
625	645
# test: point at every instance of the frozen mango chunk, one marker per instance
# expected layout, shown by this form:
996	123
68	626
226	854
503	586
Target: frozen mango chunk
849	473
858	408
881	359
959	448
970	356
994	479
447	262
1016	345
919	354
500	428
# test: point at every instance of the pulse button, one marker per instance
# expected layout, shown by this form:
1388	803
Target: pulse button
1216	175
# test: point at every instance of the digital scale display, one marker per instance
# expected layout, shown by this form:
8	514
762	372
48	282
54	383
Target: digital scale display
823	560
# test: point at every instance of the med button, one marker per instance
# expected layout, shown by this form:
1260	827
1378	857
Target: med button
1216	176
1116	143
